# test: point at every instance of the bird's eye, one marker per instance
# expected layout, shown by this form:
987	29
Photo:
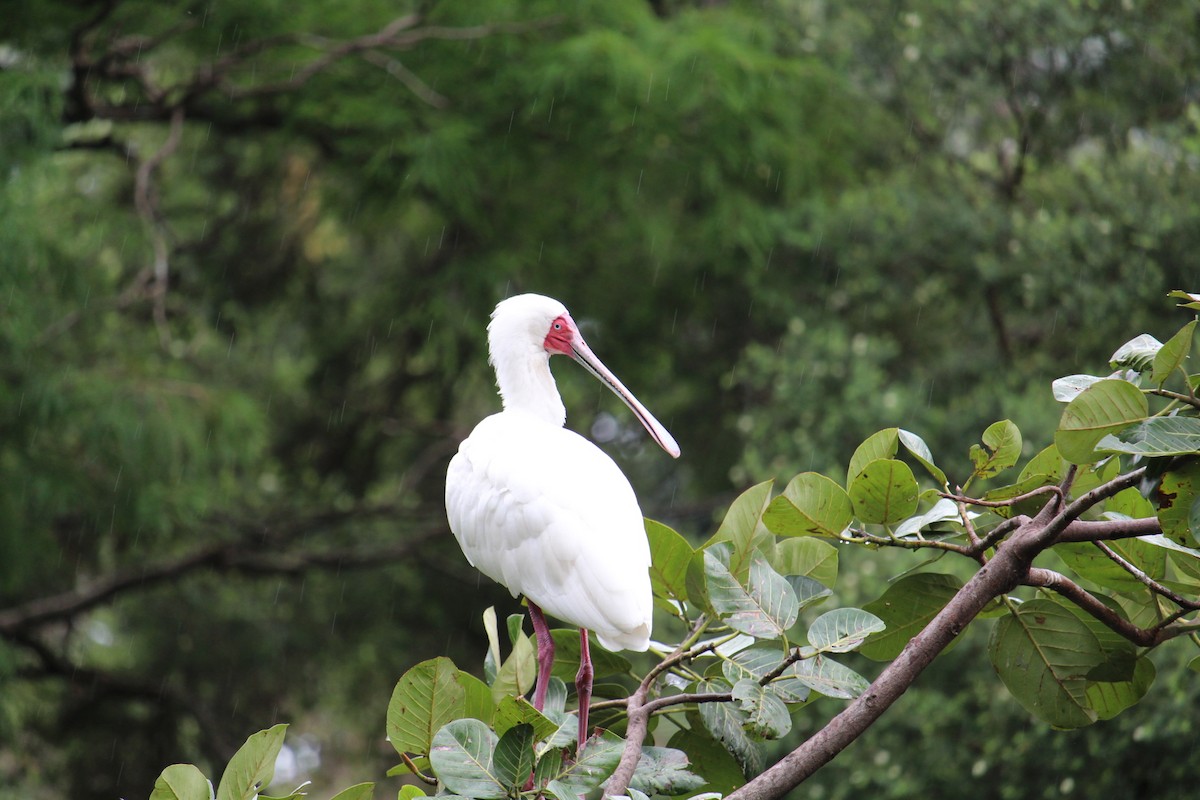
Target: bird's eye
558	326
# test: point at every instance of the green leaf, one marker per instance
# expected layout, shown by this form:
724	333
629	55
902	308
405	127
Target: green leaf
1043	653
742	520
941	511
766	715
1178	503
1109	698
252	766
920	451
1048	464
567	654
462	759
1157	436
710	759
828	677
1092	563
517	674
669	557
1104	408
491	661
1068	388
513	712
811	505
879	445
1193	298
366	791
425	698
1002	448
842	630
758	660
906	608
599	758
513	759
1137	354
726	721
806	556
764	608
664	770
181	782
1173	354
884	492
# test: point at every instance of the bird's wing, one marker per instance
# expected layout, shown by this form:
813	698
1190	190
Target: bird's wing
547	514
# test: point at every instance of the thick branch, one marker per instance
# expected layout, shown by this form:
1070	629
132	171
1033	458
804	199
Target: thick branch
1000	575
1109	529
1068	589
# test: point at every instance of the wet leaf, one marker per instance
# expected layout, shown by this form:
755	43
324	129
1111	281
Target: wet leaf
879	445
462	758
1173	354
828	677
1157	436
252	766
181	782
842	630
1002	448
665	770
1067	388
766	715
885	492
804	555
1043	653
1136	354
1104	408
920	451
764	608
669	557
811	505
906	608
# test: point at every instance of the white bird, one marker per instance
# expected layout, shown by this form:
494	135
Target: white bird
543	511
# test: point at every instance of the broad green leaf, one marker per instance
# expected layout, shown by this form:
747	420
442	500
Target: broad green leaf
764	608
906	608
366	791
756	662
920	451
1185	559
518	673
709	759
941	511
1157	436
804	555
1002	448
1042	653
726	721
1194	664
462	759
766	715
879	445
425	698
842	630
742	520
1109	698
1173	354
1178	502
808	591
599	758
567	653
811	505
181	782
1092	563
1137	354
664	770
669	556
1129	503
1048	463
828	677
514	711
513	759
252	766
549	765
1194	299
885	492
1068	388
1105	407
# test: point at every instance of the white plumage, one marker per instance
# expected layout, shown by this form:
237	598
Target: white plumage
538	508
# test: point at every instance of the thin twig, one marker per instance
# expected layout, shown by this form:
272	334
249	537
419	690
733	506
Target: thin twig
1145	579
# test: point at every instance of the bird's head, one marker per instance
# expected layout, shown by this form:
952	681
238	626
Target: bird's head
532	326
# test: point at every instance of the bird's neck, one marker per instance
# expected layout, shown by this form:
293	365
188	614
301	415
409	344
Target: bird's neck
526	384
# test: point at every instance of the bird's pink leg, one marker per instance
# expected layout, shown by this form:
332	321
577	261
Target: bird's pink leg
583	685
545	653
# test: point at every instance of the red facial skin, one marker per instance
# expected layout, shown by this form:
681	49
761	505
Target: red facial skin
559	337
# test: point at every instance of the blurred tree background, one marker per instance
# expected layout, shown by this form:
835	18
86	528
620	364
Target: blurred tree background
248	252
